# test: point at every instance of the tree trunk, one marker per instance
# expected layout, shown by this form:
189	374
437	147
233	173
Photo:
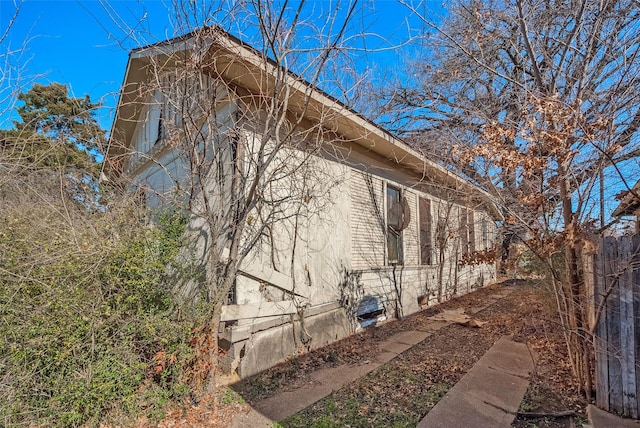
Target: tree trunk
574	284
441	260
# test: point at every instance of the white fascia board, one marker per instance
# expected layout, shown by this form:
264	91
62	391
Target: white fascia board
400	151
167	48
257	310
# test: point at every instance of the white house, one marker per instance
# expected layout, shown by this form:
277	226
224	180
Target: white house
352	226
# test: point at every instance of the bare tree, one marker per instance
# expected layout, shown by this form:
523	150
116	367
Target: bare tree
12	63
536	99
238	136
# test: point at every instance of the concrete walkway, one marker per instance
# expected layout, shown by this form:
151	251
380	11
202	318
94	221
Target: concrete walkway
324	381
489	394
600	419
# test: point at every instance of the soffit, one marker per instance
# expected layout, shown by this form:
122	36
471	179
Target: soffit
241	65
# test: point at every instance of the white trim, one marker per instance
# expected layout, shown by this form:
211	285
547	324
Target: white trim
257	310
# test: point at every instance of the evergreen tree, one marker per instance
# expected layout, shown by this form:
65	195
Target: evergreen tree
48	110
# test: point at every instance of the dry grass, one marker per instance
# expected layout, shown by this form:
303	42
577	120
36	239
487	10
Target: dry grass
402	391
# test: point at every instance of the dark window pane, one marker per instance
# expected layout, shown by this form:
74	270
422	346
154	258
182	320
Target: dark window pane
464	232
472	231
394	247
394	225
485	234
426	246
394	208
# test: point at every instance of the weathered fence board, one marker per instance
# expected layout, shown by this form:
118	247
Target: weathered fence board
615	272
636	311
613	326
601	338
627	342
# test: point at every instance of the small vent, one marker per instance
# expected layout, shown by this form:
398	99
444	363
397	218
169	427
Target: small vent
370	311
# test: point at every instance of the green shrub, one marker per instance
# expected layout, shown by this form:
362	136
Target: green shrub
90	329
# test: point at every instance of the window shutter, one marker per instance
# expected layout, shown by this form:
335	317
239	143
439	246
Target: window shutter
472	232
426	246
464	233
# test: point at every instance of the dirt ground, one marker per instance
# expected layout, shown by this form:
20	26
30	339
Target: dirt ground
402	391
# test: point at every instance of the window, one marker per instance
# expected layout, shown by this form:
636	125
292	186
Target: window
485	234
395	224
155	119
471	226
161	127
426	244
441	233
464	233
467	231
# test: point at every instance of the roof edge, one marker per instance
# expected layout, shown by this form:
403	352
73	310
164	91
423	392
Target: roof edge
354	116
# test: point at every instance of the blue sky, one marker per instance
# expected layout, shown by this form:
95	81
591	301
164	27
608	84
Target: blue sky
76	42
65	44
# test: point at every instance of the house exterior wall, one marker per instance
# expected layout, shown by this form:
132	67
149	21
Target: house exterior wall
324	271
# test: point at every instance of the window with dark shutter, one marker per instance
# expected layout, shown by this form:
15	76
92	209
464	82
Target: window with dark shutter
467	231
426	244
472	231
395	224
485	234
464	232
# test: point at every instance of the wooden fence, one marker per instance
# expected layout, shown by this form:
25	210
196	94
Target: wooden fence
613	279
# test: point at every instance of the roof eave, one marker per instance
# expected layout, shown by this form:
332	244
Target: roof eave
354	126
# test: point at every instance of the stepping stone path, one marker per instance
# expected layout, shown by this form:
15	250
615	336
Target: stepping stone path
499	365
489	394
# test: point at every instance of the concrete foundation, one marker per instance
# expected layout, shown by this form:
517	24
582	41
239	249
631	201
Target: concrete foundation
266	347
254	345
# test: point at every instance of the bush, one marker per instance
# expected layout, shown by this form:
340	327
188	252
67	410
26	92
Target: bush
90	329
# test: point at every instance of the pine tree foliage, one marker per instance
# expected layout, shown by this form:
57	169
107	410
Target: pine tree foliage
48	110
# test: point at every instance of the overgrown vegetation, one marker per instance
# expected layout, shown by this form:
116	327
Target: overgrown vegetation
87	319
91	331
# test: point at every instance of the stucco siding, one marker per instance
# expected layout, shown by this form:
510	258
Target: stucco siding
317	236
